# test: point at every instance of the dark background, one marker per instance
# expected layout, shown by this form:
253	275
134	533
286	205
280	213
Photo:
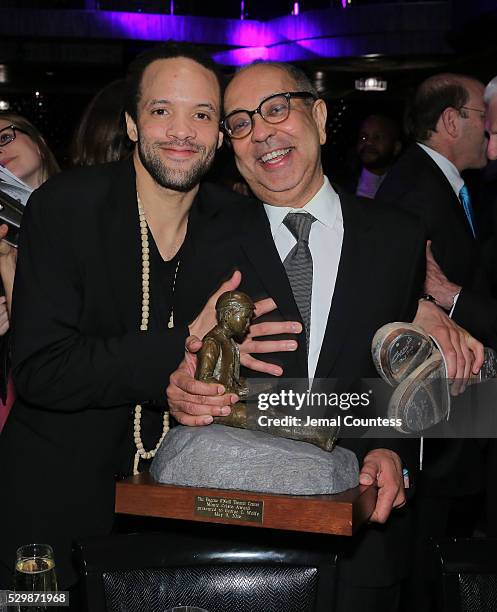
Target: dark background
51	78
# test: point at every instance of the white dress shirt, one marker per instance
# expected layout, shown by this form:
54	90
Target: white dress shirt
325	244
451	173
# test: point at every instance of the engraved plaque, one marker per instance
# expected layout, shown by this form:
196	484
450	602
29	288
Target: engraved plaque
340	514
229	508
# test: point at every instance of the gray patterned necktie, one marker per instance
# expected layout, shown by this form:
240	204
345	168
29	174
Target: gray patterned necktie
298	266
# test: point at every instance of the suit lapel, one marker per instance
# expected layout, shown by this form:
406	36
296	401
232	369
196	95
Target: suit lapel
345	305
207	231
122	246
258	245
438	175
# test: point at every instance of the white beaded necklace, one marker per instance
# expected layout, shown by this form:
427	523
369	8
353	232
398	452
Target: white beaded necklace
145	311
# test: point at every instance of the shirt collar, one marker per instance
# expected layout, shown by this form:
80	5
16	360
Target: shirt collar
451	173
324	206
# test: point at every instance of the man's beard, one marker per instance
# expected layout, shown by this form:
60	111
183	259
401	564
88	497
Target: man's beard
178	180
372	159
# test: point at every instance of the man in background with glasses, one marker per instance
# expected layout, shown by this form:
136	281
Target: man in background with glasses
447	122
322	257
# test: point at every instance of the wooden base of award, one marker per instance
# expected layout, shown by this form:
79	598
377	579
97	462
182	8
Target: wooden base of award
340	514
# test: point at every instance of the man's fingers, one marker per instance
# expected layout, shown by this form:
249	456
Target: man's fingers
449	352
479	354
230	285
264	306
460	361
206	319
195	387
269	346
384	467
190	407
390	495
477	351
273	328
192	421
200	404
260	366
458	377
369	472
193	344
384	504
468	358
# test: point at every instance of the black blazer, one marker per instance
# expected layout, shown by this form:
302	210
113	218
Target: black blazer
415	183
80	362
380	278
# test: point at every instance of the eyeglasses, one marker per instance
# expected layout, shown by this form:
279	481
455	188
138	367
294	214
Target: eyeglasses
8	134
273	109
476	110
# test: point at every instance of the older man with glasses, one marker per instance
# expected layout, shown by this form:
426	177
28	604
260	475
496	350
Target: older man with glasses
323	258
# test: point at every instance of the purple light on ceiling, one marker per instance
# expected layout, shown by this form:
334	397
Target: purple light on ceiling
285	39
199	30
171	7
344	3
287	52
296	8
242	10
240	57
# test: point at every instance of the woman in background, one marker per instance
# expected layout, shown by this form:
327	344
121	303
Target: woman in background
101	135
24	152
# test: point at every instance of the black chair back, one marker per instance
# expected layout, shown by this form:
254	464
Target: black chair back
155	571
468	574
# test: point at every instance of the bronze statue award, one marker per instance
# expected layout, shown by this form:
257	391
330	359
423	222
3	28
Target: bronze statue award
219	362
219	357
246	455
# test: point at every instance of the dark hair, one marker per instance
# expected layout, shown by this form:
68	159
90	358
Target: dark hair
49	165
298	76
432	97
167	50
101	135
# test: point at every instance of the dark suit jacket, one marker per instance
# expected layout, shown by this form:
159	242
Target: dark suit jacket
379	280
80	362
416	184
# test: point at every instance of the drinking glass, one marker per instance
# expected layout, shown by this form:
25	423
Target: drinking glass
35	571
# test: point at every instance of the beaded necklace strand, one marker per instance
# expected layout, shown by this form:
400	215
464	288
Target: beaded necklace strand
141	453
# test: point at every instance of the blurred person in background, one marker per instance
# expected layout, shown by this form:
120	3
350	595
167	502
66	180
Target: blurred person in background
490	99
101	135
446	120
24	152
378	146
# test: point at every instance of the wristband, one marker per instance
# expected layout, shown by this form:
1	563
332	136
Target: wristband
426	297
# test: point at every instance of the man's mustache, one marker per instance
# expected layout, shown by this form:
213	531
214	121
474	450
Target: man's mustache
369	150
181	144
